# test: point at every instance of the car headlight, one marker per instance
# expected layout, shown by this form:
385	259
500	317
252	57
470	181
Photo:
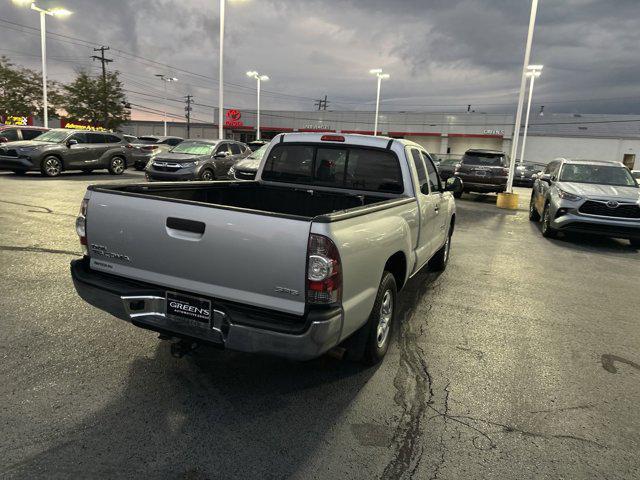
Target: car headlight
189	164
568	196
28	149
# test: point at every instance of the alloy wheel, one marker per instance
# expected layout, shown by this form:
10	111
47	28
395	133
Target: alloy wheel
117	165
384	320
53	167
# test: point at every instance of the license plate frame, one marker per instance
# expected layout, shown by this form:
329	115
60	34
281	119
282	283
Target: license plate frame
189	309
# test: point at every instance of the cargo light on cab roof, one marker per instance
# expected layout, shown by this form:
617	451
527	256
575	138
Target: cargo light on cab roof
332	138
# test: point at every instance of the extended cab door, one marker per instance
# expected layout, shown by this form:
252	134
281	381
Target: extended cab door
435	191
77	155
429	208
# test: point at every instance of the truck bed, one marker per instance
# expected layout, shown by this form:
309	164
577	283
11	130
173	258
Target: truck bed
297	202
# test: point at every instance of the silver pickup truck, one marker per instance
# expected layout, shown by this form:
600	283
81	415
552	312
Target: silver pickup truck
308	255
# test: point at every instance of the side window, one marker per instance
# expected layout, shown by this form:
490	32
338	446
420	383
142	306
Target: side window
10	135
173	141
79	137
419	166
30	134
434	178
112	139
235	149
95	138
223	147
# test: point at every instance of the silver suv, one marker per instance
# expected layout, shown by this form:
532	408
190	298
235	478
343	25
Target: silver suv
587	196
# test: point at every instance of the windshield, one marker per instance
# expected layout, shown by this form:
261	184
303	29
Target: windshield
258	154
487	159
193	148
599	174
53	136
449	161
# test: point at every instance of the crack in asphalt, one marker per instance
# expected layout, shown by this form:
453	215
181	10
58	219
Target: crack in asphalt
443	449
414	393
38	250
44	209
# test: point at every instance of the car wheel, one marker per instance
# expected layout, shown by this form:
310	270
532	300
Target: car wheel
20	172
207	175
439	261
51	166
534	216
547	230
117	166
458	194
381	320
635	242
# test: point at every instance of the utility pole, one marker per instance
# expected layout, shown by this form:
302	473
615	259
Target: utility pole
188	99
322	103
104	62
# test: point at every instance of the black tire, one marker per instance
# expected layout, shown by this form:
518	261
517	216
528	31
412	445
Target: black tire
635	242
207	175
534	216
20	172
439	261
117	165
381	321
51	166
547	230
457	194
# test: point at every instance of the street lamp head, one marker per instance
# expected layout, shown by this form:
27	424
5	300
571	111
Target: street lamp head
535	68
264	78
22	3
384	76
534	74
59	12
252	74
375	71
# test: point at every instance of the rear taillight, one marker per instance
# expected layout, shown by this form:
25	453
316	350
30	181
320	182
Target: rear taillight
332	138
129	146
149	148
81	225
324	271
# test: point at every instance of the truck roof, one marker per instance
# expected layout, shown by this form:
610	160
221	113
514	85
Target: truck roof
342	138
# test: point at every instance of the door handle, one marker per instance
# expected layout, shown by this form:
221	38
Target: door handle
191	226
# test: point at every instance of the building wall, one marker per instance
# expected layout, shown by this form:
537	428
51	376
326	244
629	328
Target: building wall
543	149
430	144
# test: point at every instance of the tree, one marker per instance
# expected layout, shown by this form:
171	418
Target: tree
21	91
87	99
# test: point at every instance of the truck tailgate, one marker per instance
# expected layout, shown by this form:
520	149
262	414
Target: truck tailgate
247	257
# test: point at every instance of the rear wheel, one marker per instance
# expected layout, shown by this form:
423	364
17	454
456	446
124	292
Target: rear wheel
381	320
534	216
207	175
547	230
117	166
51	166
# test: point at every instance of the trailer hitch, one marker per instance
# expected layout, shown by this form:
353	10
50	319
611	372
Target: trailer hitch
182	347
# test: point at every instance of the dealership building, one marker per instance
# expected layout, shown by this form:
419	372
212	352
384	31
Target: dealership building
591	136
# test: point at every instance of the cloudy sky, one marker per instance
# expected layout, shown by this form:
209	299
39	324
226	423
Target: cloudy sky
441	54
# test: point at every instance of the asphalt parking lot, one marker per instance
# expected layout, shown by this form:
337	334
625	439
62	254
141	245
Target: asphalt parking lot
522	360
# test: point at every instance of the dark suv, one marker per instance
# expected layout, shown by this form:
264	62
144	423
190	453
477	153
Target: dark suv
61	149
483	171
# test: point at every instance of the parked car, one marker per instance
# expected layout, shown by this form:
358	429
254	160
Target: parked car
309	255
524	174
147	147
257	144
247	168
483	171
14	133
196	160
587	196
447	167
61	149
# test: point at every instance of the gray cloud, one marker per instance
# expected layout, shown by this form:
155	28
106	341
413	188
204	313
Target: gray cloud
442	54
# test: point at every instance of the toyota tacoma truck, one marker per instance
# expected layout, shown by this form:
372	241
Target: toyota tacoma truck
309	255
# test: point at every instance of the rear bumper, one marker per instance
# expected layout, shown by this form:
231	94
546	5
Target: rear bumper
15	163
232	326
474	186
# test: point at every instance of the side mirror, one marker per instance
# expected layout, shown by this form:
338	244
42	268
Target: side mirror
72	142
545	177
4	139
224	154
424	189
453	184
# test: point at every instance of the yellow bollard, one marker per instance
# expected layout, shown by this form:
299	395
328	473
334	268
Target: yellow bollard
508	201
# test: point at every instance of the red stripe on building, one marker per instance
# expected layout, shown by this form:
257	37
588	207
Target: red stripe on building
473	135
414	134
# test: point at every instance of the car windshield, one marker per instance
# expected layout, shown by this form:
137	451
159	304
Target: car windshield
193	148
449	161
53	136
599	174
486	159
258	154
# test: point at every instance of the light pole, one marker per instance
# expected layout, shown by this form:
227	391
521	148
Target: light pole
54	12
523	84
221	75
533	72
259	78
165	80
381	76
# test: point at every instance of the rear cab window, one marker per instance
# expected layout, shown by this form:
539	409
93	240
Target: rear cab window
349	167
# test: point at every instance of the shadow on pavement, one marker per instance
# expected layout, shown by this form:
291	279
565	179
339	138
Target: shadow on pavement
129	174
587	243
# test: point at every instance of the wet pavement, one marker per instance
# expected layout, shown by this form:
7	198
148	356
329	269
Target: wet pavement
521	360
